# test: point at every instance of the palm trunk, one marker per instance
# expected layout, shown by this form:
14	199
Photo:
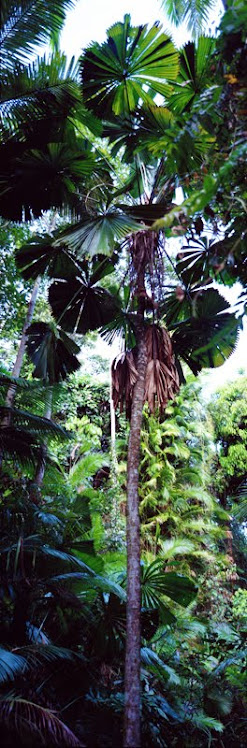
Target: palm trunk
21	350
132	717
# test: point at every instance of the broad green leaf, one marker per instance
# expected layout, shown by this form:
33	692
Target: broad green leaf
98	235
116	73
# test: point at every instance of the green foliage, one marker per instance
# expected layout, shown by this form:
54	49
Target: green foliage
239	606
27	24
194	14
113	73
13	293
63	560
228	410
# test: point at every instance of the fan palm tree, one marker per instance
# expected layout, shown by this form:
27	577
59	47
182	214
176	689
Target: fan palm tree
120	80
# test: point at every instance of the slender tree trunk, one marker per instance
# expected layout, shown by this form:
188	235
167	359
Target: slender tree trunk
10	397
132	717
114	466
21	350
40	471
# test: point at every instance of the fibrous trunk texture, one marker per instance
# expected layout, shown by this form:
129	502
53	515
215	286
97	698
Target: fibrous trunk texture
132	721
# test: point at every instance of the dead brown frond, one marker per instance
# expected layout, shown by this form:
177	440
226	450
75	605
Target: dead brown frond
162	380
124	376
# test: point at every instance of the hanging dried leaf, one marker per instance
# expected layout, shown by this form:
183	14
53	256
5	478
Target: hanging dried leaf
124	377
162	380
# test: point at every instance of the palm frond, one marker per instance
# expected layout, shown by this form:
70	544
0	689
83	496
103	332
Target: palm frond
159	668
40	654
11	664
98	234
194	74
194	13
44	88
81	304
39	255
26	24
22	717
86	467
240	497
52	352
155	581
32	424
35	179
209	336
115	74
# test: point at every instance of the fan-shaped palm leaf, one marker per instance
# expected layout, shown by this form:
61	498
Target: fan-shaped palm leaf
134	132
202	259
52	352
209	336
81	304
195	61
98	234
38	179
40	255
156	581
115	73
